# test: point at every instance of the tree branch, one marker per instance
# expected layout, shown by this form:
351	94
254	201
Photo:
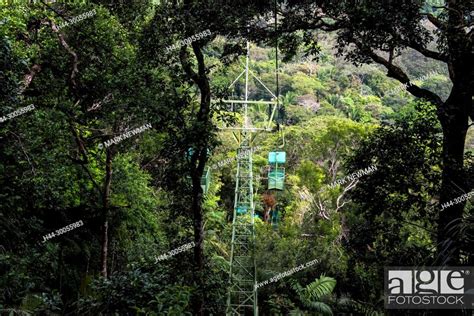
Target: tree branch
398	74
322	209
97	105
35	69
200	59
435	21
184	58
83	153
305	25
428	53
70	51
55	11
346	189
24	152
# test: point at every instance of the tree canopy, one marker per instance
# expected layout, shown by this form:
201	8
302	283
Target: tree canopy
118	183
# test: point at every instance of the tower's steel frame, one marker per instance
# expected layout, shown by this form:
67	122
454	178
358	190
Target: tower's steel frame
242	292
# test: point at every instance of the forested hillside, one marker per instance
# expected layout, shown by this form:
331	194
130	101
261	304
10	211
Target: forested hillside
118	169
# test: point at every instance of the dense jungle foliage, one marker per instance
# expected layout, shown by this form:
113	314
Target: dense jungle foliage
113	71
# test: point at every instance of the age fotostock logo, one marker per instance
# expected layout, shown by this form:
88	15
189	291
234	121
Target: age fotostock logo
429	288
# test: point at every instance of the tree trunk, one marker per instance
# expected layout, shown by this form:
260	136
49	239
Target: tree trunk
198	299
199	158
197	172
453	116
105	248
105	212
198	224
203	128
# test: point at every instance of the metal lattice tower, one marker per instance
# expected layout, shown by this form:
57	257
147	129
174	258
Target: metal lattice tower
242	293
242	296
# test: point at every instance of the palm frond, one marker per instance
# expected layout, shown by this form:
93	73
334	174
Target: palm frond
297	288
320	308
320	287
